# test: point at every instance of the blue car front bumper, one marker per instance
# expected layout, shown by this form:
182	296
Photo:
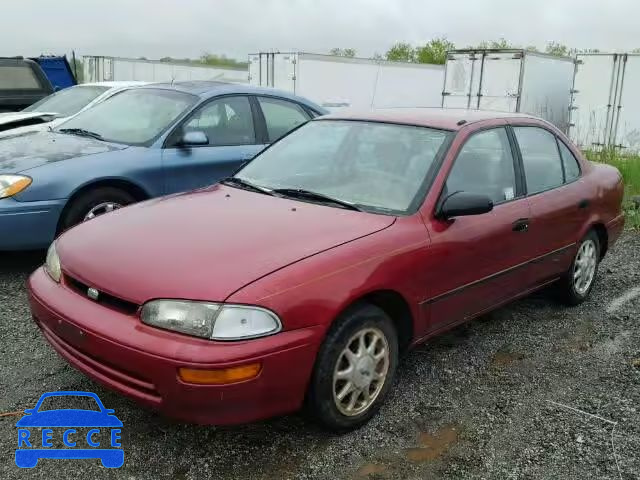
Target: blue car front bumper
28	225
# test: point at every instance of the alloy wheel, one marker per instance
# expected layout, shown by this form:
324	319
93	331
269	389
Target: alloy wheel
584	268
361	371
101	209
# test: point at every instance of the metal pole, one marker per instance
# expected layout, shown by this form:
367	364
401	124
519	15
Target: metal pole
484	57
75	67
473	64
614	130
612	99
520	82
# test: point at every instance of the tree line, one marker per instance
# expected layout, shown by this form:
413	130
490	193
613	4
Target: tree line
435	50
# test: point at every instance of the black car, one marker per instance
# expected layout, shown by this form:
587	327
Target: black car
22	83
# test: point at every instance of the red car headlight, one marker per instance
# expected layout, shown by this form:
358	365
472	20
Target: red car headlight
215	321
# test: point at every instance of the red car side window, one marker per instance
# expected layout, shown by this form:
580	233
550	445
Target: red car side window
485	166
571	166
540	158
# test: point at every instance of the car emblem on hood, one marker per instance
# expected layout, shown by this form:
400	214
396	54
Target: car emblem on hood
93	294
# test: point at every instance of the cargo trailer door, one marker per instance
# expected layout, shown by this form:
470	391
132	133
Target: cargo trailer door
593	99
626	126
255	77
276	70
500	81
460	72
284	71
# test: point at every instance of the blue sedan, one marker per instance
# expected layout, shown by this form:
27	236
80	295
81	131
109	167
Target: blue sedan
142	143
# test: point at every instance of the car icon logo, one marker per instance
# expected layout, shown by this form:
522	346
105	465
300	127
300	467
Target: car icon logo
92	432
93	294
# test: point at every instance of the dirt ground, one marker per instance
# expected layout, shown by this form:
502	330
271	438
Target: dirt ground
532	391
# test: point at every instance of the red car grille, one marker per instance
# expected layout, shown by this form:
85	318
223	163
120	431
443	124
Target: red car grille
109	301
109	374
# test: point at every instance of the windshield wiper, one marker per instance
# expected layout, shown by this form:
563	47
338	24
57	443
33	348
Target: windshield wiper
309	195
81	132
247	185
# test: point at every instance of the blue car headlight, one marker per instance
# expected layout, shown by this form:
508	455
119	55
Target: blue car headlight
11	185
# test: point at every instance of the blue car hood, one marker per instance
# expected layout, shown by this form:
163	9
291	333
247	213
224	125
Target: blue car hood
69	418
33	149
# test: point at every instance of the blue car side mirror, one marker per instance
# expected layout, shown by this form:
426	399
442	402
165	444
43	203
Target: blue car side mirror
193	139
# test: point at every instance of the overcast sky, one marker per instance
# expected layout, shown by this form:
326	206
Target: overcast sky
187	28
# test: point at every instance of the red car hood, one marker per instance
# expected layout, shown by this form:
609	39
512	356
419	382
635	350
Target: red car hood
204	245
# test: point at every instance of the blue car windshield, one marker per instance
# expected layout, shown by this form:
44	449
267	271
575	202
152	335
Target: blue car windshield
132	117
64	402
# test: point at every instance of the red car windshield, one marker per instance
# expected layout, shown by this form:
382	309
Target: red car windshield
377	166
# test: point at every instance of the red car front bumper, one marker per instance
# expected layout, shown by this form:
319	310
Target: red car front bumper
141	362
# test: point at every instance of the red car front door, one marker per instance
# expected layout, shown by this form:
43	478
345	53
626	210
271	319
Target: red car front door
482	260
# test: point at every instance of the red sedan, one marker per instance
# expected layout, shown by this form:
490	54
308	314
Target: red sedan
301	280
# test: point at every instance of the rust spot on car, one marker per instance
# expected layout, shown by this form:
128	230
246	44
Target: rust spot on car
433	446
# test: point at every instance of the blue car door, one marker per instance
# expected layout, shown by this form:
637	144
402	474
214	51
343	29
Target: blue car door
233	136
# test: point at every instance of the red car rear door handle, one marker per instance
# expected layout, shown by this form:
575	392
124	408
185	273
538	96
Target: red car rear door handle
520	225
583	203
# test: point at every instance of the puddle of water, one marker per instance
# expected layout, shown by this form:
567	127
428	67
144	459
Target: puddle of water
433	446
504	358
370	469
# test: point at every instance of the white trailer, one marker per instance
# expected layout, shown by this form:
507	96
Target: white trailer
336	82
510	80
103	69
605	107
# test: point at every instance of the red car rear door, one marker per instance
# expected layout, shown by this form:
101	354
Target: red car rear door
480	261
558	199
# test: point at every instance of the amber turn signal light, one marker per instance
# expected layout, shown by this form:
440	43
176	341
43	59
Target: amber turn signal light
220	376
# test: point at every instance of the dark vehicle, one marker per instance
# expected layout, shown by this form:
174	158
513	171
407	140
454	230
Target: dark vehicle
22	83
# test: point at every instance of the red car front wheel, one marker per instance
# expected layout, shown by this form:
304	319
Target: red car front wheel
355	368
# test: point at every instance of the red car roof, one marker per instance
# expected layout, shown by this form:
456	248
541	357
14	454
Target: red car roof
446	119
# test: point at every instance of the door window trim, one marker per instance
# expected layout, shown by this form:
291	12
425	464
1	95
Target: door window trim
519	182
203	105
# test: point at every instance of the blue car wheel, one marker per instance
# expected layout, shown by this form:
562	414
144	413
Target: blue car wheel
93	203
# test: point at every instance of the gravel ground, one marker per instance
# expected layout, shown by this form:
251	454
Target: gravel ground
490	400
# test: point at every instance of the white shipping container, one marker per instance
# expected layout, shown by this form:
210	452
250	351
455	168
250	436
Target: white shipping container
102	69
336	82
510	80
605	108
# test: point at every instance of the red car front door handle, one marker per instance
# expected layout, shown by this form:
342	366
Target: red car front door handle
520	225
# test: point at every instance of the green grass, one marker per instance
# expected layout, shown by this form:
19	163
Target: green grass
629	166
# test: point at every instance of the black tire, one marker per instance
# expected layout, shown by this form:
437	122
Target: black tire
566	286
82	205
320	396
